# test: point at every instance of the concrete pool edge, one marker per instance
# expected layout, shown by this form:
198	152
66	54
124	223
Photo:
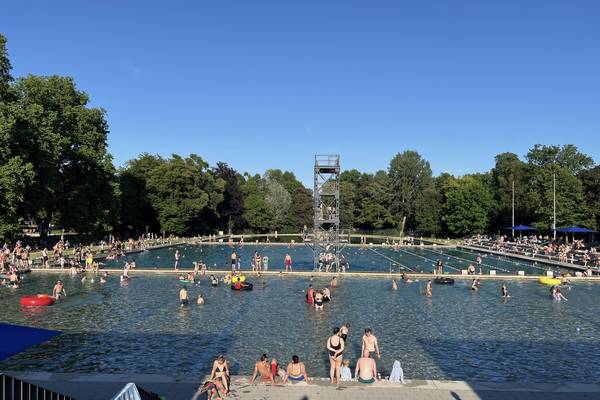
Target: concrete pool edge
101	386
250	274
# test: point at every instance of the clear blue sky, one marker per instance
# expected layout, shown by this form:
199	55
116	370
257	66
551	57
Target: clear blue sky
267	84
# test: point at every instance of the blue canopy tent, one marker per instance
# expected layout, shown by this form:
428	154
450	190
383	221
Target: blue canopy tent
521	228
573	230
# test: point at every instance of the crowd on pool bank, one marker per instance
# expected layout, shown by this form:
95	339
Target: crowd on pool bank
270	371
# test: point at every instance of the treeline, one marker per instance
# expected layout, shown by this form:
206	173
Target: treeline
55	170
408	196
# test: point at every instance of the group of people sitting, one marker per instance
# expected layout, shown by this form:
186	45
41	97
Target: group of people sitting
576	252
270	371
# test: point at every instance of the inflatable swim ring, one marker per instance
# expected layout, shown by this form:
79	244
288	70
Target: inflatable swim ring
236	278
444	281
247	286
546	280
40	300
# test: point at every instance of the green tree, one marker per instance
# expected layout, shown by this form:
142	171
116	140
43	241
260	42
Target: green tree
184	194
16	174
508	169
257	212
428	212
348	198
137	211
374	207
409	177
5	68
469	205
301	210
590	180
65	142
279	201
567	157
231	209
571	207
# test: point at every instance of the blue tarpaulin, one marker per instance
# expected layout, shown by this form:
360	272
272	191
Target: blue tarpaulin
14	339
521	228
575	229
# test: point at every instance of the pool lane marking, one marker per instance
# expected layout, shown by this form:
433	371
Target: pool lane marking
502	258
470	261
392	260
428	259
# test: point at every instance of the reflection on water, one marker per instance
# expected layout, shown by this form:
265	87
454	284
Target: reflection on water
457	334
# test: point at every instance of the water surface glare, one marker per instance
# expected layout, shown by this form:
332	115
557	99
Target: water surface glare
457	334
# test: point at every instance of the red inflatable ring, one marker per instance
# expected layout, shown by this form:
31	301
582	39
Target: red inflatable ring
39	300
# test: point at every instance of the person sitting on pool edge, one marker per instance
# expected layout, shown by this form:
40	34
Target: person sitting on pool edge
263	368
366	369
296	371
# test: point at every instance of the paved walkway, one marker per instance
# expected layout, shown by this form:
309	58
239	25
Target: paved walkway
104	386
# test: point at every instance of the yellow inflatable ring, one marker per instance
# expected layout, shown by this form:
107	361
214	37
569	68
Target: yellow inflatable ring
550	281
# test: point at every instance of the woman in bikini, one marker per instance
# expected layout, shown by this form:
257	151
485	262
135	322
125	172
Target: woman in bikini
318	300
296	371
220	371
335	346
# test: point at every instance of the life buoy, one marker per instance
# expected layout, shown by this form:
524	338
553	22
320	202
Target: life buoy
40	300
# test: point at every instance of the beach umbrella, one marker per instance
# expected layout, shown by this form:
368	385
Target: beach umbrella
521	228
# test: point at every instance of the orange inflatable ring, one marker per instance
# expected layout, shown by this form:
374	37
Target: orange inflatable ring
39	300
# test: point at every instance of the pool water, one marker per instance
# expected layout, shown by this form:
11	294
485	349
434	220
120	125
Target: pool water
409	259
457	334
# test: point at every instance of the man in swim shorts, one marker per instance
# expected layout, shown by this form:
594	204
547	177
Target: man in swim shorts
263	369
369	343
59	290
366	369
183	297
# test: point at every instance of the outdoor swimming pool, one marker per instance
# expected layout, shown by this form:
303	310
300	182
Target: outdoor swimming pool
409	259
457	334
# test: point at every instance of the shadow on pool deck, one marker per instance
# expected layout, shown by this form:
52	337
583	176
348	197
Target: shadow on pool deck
188	357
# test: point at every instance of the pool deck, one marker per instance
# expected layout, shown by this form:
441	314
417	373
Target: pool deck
540	260
104	386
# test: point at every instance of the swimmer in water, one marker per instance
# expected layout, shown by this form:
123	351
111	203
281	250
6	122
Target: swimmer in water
318	300
394	285
428	292
214	282
183	297
334	282
505	291
556	295
200	300
59	290
405	278
475	285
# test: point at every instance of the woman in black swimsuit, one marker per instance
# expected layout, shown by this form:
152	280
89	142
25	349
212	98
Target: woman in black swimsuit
335	346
